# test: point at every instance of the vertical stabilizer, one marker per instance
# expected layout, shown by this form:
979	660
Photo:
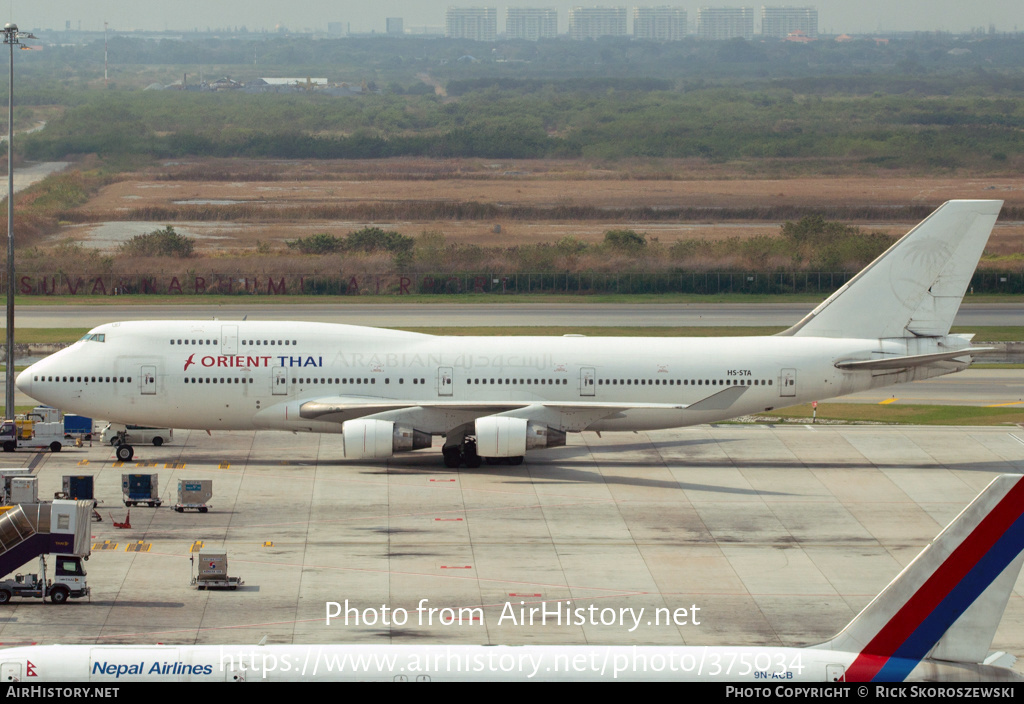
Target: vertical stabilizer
915	287
948	602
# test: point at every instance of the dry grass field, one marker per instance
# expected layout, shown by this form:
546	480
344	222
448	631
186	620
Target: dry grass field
230	205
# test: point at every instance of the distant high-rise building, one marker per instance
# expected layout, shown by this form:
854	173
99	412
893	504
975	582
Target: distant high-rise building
594	22
337	28
780	22
663	24
725	22
476	23
531	23
394	25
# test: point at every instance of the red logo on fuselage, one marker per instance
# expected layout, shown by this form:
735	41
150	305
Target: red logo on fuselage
189	362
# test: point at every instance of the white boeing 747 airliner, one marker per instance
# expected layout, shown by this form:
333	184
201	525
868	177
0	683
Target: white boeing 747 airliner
494	398
934	622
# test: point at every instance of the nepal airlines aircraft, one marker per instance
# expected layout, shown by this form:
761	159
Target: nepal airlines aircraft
934	622
495	398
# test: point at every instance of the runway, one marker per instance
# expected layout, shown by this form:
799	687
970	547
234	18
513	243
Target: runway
477	315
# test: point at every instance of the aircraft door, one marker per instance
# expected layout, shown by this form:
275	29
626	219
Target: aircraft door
10	672
835	673
587	381
147	379
280	381
234	671
787	382
445	384
229	339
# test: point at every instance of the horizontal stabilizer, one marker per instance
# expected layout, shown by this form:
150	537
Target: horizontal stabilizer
913	360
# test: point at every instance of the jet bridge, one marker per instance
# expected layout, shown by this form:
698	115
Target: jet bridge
30	530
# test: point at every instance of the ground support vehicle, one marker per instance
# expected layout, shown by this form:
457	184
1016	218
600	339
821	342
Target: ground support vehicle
28	531
29	434
68	582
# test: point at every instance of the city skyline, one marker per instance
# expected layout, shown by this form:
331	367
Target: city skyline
835	16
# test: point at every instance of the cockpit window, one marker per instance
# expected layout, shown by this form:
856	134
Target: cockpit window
95	337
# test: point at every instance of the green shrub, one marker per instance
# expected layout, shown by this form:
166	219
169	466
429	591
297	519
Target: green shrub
320	243
368	239
626	240
159	243
374	239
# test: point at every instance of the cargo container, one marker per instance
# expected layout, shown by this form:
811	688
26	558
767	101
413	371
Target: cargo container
193	494
78	487
24	490
141	489
212	572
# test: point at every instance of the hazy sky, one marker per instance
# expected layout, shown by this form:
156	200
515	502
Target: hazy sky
834	16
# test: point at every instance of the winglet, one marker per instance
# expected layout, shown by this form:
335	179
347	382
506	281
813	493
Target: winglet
947	603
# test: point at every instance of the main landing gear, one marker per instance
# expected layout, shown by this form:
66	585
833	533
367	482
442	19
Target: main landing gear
465	454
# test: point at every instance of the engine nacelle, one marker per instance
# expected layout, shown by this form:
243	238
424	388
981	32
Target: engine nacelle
370	439
539	436
504	436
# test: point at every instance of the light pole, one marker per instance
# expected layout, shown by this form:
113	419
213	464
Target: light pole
11	36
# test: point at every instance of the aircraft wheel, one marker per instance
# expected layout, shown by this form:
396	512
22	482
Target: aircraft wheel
125	453
469	455
452	456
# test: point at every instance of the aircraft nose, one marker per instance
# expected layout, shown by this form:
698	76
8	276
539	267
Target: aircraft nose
23	381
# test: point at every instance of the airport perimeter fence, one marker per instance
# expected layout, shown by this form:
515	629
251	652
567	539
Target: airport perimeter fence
582	283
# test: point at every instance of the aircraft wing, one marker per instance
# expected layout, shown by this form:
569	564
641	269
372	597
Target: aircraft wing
579	412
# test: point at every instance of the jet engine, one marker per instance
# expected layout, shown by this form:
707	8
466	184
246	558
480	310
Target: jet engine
370	439
504	436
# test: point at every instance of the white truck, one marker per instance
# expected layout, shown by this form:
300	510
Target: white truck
40	429
68	582
135	435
